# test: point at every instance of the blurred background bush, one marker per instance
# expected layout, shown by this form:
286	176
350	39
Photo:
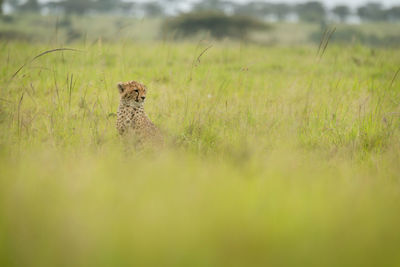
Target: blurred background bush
218	25
372	24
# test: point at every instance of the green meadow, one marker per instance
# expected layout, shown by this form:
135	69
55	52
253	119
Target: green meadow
274	156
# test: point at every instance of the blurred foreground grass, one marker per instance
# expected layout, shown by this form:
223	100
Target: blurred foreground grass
275	157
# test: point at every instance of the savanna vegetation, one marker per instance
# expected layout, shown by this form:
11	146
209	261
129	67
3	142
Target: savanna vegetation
282	148
275	156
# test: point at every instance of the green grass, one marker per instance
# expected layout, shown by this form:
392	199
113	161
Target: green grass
274	157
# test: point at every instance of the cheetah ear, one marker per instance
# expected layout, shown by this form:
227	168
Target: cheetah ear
121	88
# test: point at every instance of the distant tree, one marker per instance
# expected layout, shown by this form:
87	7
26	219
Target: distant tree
53	7
311	11
209	5
228	6
249	9
13	3
264	9
371	12
281	11
244	9
1	7
171	7
126	7
76	6
106	5
30	6
393	13
342	12
217	24
153	9
257	9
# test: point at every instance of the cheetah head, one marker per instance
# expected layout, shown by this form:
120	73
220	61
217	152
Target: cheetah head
132	93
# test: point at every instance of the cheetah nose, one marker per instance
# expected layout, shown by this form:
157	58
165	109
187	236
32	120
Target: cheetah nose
143	97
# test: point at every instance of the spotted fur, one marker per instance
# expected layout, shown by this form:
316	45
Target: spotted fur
131	118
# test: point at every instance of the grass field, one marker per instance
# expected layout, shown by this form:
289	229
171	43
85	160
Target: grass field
275	156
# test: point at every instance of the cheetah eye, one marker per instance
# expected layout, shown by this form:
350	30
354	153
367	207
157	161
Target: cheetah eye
136	91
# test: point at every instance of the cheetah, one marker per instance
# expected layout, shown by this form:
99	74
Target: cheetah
131	118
